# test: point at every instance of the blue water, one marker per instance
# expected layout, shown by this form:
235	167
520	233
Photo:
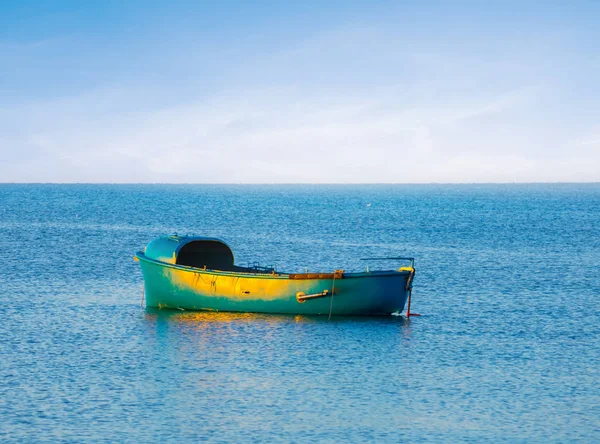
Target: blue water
507	348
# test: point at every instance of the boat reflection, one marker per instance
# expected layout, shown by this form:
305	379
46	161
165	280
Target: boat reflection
211	317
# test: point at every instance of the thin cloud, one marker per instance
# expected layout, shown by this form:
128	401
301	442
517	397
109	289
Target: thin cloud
287	138
366	102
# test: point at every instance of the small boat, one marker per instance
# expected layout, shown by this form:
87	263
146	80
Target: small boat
198	273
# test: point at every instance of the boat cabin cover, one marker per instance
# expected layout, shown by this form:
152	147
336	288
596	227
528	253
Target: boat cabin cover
199	252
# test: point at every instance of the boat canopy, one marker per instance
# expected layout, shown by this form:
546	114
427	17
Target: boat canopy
199	252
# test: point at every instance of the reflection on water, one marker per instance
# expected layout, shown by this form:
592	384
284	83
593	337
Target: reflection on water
215	332
197	317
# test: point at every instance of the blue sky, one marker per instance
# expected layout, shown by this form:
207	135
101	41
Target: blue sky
278	92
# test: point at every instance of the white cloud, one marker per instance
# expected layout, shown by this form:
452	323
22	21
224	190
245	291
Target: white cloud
268	136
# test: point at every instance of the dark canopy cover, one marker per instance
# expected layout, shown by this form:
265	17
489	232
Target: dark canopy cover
212	254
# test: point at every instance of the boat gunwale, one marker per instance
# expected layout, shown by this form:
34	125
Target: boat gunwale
371	274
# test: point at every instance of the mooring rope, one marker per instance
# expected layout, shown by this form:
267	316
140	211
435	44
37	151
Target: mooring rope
409	290
331	300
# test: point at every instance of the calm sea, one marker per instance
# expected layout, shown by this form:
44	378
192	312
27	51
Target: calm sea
507	347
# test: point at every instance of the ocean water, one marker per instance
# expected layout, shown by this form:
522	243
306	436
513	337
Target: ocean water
507	347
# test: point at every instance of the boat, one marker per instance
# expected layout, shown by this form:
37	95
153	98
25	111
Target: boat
198	273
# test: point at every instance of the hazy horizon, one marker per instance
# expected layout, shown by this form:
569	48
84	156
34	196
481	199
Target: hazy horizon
300	183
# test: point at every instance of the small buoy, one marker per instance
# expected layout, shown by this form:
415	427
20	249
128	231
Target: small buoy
368	204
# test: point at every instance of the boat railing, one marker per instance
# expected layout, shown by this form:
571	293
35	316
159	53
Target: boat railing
255	266
389	259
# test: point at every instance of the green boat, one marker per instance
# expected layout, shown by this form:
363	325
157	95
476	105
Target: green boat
198	273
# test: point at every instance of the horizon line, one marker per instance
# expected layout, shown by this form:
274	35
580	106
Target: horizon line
303	183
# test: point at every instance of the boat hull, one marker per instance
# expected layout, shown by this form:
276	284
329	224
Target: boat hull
173	286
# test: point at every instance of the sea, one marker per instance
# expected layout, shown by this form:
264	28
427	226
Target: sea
507	347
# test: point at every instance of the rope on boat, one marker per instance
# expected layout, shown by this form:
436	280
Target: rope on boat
301	297
142	302
336	274
332	293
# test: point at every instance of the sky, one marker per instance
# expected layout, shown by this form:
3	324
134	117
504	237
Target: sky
299	92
